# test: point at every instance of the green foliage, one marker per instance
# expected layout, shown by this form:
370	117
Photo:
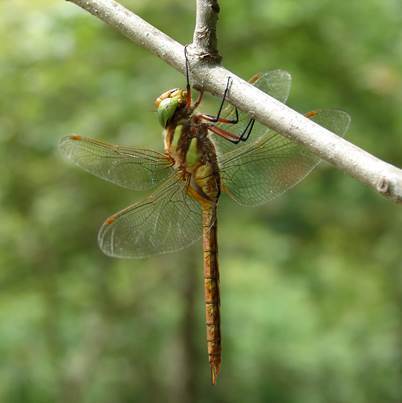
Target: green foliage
311	283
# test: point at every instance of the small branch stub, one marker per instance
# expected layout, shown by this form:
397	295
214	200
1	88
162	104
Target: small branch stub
383	186
205	39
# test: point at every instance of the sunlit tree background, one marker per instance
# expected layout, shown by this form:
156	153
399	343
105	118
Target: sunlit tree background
311	283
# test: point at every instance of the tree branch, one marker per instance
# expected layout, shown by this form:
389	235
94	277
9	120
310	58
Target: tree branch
381	176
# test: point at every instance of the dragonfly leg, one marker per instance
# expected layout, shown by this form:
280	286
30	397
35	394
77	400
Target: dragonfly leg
247	130
233	138
213	119
217	118
188	86
198	100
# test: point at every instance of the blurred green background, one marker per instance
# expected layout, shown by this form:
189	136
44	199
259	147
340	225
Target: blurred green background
311	283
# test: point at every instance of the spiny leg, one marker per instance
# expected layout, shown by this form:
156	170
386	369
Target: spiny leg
247	130
188	86
217	118
234	138
198	100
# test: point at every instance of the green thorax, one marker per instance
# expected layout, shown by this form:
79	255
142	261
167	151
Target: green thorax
188	146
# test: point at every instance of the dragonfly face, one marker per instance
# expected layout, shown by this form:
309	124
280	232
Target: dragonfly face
168	103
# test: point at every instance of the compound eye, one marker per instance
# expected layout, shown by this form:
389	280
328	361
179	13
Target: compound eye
166	110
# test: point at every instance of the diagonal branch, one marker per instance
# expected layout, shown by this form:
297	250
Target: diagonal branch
381	176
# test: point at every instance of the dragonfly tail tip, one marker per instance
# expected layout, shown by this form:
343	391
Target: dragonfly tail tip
214	373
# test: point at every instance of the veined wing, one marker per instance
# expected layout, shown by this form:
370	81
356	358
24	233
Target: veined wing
275	83
167	221
129	167
262	170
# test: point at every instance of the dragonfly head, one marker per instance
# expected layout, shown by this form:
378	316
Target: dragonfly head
168	103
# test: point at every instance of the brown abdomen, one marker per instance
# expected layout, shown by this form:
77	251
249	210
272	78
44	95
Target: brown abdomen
211	289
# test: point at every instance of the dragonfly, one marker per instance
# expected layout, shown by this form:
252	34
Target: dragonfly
203	157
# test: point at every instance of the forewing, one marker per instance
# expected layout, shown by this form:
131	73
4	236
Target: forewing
129	167
263	170
167	221
275	83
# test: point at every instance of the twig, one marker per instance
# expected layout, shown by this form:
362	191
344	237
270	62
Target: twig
381	176
204	39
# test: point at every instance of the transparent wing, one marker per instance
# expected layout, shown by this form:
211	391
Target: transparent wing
263	170
275	83
129	167
167	221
